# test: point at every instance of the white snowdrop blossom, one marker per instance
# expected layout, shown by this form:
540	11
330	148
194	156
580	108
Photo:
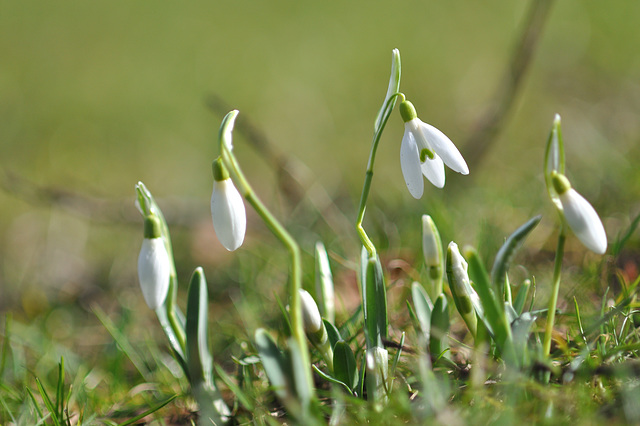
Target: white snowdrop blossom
228	214
311	318
154	265
424	151
580	215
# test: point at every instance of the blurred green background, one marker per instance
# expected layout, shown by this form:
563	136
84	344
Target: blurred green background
96	96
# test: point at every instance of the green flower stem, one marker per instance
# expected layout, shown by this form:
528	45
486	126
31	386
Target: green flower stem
294	251
171	312
366	241
551	313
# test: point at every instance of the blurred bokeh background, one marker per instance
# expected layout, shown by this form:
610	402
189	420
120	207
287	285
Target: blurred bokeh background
95	97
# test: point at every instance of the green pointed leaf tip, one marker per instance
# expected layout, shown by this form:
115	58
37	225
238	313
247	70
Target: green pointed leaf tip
344	364
393	88
423	308
507	252
332	332
226	129
199	359
375	305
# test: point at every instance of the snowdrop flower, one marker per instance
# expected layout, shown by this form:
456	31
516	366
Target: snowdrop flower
580	215
227	209
424	151
154	265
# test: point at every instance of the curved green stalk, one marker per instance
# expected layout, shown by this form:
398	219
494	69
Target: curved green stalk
366	241
279	231
553	301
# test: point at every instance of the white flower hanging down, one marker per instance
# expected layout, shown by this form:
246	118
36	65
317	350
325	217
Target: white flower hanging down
424	151
580	215
154	265
227	209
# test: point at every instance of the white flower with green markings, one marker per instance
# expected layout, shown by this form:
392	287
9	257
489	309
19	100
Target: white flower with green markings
424	151
580	215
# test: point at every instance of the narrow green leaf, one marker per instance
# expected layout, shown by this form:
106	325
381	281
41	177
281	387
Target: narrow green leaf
493	307
274	363
48	403
35	403
60	390
332	332
344	364
242	398
521	297
123	342
375	303
507	252
331	379
423	308
439	342
303	389
199	359
149	411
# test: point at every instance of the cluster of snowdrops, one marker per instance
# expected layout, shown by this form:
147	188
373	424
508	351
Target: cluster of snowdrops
493	316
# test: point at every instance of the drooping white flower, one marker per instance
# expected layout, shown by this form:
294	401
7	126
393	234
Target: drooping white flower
154	265
424	151
311	319
580	215
227	209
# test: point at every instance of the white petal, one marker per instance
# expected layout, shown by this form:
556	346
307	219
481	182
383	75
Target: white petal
410	164
154	271
228	214
443	146
434	171
584	221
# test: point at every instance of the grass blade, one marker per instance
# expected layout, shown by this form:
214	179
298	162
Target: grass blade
149	411
507	252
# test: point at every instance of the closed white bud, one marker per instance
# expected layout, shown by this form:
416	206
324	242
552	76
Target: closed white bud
154	266
228	214
431	243
311	319
584	221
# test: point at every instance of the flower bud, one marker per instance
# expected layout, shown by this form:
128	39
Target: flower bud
310	314
461	286
154	265
227	209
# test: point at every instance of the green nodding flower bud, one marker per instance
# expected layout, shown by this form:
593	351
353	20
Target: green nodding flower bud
220	172
152	227
560	183
432	251
407	111
461	286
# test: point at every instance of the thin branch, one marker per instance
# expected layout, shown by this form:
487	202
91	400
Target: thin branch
487	129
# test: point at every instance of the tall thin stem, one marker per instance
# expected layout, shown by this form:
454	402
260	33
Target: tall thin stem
368	178
553	301
294	252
